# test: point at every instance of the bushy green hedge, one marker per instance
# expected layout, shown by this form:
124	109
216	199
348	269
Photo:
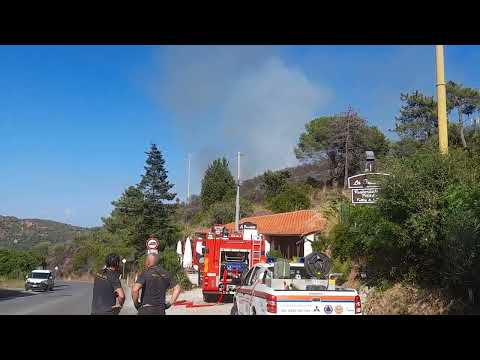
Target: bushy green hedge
16	263
424	228
91	251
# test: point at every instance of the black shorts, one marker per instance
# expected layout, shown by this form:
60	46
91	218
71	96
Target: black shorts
151	310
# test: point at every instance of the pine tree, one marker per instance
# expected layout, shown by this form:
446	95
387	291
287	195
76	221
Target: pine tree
158	212
154	184
217	184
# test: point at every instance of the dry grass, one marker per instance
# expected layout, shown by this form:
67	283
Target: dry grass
409	300
12	283
80	277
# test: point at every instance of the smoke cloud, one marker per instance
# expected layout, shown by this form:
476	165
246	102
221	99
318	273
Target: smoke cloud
242	98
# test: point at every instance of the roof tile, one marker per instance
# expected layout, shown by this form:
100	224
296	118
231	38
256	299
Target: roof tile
297	223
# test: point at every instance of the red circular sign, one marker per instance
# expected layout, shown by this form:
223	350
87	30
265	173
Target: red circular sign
152	244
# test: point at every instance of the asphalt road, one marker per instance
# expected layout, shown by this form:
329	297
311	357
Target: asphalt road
67	298
75	298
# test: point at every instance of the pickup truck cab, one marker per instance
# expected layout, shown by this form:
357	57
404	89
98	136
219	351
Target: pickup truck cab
293	294
40	280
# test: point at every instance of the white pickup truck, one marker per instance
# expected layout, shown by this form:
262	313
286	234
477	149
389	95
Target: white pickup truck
294	294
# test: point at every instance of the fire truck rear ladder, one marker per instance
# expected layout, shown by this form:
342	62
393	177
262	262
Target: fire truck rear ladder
256	251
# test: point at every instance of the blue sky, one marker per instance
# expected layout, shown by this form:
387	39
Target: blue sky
75	120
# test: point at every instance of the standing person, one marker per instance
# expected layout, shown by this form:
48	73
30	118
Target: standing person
108	295
154	282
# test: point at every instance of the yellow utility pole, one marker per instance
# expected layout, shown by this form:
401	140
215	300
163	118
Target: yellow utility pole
441	101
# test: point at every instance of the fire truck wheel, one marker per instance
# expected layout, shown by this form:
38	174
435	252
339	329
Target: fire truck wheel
209	298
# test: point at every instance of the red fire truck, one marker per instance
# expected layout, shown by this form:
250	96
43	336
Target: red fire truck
226	257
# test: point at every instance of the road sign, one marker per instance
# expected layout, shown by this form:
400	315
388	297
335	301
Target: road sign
56	268
364	180
152	244
124	261
365	195
152	251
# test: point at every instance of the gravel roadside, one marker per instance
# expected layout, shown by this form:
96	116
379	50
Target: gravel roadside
194	295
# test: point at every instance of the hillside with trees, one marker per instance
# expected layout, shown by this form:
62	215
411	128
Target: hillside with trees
26	233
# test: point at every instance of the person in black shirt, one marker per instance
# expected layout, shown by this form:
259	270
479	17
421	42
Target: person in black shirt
154	282
107	289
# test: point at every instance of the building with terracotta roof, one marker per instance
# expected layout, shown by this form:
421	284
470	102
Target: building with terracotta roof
291	233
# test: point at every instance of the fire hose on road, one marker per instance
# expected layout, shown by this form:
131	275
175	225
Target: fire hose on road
191	304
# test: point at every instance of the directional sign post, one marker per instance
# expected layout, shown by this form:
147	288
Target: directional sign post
365	196
365	187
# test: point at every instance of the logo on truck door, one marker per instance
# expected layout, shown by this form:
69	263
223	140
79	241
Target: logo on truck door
328	309
338	309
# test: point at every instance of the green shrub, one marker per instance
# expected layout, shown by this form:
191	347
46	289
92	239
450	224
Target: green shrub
293	197
424	227
90	251
170	261
17	263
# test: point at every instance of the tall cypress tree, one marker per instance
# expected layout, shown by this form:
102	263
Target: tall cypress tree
158	212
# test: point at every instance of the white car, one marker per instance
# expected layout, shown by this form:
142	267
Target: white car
293	294
40	280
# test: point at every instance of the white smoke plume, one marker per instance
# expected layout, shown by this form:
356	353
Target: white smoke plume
237	98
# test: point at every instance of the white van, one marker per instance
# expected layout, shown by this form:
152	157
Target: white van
40	280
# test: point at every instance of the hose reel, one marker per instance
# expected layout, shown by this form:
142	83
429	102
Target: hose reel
317	265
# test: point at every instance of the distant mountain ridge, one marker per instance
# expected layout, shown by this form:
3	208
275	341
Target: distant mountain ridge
26	233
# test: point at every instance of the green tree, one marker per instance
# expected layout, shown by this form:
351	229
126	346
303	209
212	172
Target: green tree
127	220
273	183
314	143
91	250
418	117
417	120
465	100
342	141
17	263
158	211
293	197
41	250
217	184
